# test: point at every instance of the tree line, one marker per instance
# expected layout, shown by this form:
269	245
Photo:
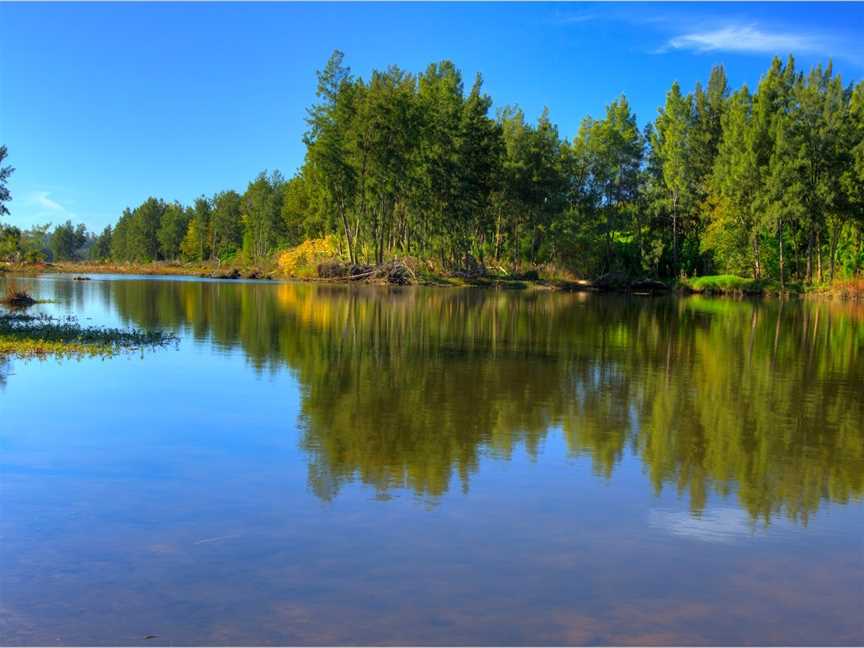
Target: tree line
766	182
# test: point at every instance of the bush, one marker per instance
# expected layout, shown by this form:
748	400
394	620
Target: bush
304	260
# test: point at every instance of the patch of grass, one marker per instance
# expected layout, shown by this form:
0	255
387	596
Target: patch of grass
722	284
40	335
735	285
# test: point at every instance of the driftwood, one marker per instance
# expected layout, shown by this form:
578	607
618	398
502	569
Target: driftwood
332	270
229	274
393	272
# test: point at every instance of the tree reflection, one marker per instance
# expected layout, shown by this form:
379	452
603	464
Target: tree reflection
410	388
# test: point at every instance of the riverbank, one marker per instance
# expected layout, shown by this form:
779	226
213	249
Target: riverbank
393	273
733	285
154	268
399	273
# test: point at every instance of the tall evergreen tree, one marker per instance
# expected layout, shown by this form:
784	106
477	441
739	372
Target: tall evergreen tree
5	172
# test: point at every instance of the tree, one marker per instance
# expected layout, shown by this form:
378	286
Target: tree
142	242
327	143
616	149
262	207
172	230
101	248
202	213
852	178
66	240
673	148
120	237
5	172
226	223
781	199
479	154
385	129
731	232
10	243
192	246
439	104
298	216
36	243
768	183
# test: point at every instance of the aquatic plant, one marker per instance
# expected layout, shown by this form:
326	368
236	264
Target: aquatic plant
40	335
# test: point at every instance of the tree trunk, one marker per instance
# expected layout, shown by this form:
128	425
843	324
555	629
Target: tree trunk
782	275
819	255
498	236
675	235
349	239
835	234
757	268
516	242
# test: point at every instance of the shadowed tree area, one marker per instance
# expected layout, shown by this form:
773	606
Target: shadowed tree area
413	388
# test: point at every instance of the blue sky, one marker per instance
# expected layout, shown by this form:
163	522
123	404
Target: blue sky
103	105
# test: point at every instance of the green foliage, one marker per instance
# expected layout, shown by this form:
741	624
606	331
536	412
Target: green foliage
10	242
40	335
5	172
767	183
172	229
226	224
67	241
35	243
142	243
101	248
192	246
261	209
722	284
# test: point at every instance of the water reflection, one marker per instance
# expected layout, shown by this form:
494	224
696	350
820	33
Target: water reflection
409	389
722	524
220	493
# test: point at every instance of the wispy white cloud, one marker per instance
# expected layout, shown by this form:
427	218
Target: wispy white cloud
575	19
746	38
41	199
43	206
725	31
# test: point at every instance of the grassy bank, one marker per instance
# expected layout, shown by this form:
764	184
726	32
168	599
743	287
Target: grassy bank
28	336
726	285
746	286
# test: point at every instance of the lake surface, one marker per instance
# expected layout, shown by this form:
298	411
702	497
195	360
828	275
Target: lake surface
330	464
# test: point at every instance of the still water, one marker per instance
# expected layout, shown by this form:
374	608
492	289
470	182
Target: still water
330	464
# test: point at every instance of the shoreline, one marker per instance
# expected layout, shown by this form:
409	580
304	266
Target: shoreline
709	286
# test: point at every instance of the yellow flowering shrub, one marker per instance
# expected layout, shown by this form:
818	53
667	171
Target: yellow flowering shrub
303	260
